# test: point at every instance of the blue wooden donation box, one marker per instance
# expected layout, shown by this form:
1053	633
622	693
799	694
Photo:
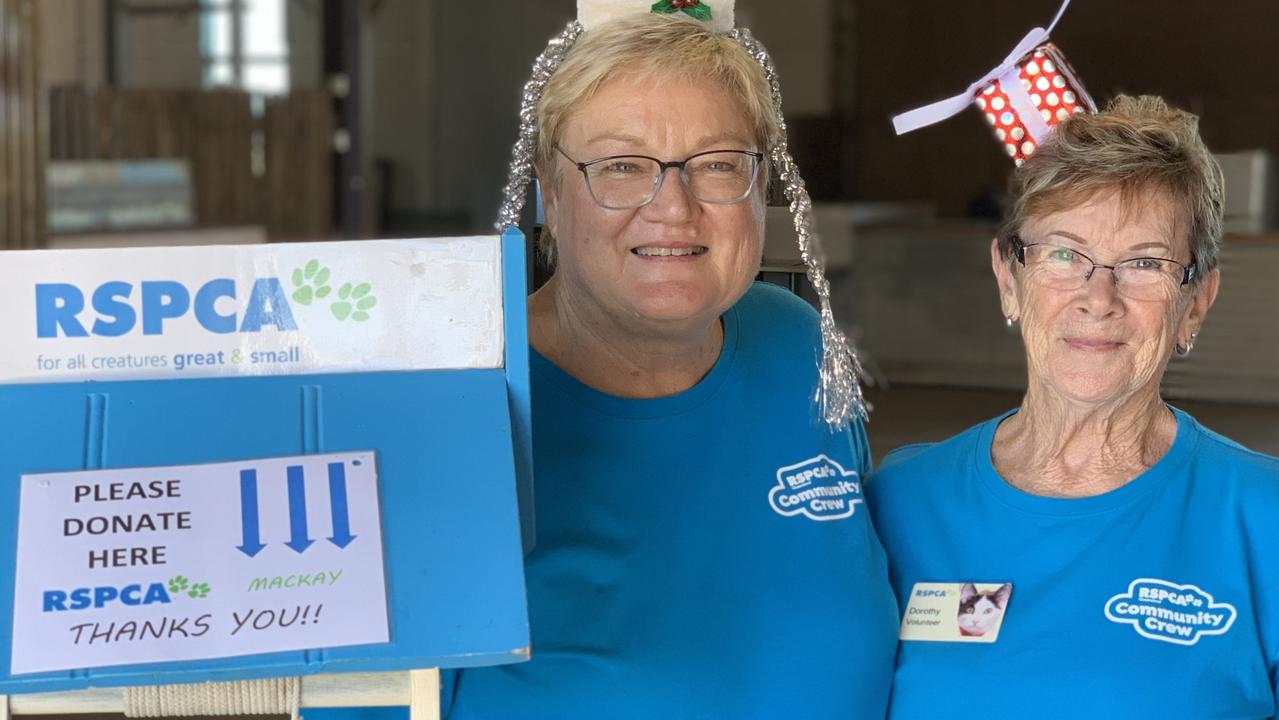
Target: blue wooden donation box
245	462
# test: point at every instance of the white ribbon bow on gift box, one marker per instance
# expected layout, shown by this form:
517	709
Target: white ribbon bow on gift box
951	106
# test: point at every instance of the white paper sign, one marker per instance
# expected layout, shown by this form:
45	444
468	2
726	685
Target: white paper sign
290	309
199	561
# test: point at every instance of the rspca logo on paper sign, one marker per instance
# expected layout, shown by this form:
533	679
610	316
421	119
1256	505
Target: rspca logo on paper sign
1179	614
818	488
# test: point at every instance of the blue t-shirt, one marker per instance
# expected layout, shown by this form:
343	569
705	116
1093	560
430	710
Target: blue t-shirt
704	555
1159	599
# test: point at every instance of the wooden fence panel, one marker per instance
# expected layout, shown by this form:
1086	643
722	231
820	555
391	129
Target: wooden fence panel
222	162
218	134
299	168
22	221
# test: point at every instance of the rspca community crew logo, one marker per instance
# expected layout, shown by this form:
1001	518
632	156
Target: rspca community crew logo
818	488
1160	610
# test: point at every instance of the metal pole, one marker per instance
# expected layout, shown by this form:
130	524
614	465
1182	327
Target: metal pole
342	29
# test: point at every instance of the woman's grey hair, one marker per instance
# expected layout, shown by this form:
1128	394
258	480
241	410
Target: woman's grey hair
1138	147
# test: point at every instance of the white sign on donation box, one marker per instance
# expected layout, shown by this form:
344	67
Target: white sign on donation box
289	309
202	561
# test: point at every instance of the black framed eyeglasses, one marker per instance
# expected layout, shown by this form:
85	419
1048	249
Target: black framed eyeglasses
623	182
1065	268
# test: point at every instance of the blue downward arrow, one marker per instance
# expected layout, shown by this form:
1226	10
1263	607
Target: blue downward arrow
337	500
249	513
298	539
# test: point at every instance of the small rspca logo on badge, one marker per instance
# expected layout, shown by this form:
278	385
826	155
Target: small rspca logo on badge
818	488
1179	614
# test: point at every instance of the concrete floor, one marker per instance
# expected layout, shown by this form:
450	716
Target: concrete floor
909	414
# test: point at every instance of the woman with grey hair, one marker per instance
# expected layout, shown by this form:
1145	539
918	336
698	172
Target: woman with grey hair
702	549
1094	552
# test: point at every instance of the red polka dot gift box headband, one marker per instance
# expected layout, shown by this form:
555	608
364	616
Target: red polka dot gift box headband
839	396
1023	98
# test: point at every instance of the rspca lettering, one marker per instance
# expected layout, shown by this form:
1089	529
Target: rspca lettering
818	488
99	597
61	312
1178	614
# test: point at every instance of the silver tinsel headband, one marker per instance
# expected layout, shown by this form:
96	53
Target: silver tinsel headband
839	396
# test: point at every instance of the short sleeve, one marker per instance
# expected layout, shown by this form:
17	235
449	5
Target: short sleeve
861	448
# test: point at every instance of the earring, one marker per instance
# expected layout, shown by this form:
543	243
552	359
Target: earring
1184	350
1009	322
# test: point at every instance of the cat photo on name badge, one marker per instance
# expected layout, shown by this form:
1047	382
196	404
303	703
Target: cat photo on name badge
981	610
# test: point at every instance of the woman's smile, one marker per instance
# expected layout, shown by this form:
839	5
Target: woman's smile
670	252
1084	343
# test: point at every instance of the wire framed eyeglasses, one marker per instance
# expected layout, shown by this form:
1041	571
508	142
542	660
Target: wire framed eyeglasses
1065	268
623	182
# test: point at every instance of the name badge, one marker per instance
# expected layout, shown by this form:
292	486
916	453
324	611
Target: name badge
956	612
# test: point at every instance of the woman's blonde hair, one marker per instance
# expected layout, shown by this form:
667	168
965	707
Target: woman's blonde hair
1137	147
644	47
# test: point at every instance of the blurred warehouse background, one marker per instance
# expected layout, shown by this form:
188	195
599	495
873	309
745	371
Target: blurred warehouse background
127	122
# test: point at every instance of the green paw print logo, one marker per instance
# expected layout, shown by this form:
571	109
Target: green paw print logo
353	302
310	283
179	584
350	302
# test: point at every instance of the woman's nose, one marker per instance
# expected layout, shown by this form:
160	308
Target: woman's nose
673	201
1100	291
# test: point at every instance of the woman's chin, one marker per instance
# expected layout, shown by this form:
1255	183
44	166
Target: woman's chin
677	303
1092	388
677	314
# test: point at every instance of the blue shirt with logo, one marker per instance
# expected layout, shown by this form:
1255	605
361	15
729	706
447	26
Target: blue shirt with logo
705	555
1159	599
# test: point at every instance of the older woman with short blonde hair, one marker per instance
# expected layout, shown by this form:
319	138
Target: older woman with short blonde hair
1094	552
702	547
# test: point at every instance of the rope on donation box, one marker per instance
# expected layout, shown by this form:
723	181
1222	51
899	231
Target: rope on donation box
274	696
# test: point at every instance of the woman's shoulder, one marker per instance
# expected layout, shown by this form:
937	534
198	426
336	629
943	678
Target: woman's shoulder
931	461
775	309
1230	459
775	331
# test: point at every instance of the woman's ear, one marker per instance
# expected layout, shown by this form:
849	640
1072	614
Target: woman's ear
1205	295
548	197
1008	302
